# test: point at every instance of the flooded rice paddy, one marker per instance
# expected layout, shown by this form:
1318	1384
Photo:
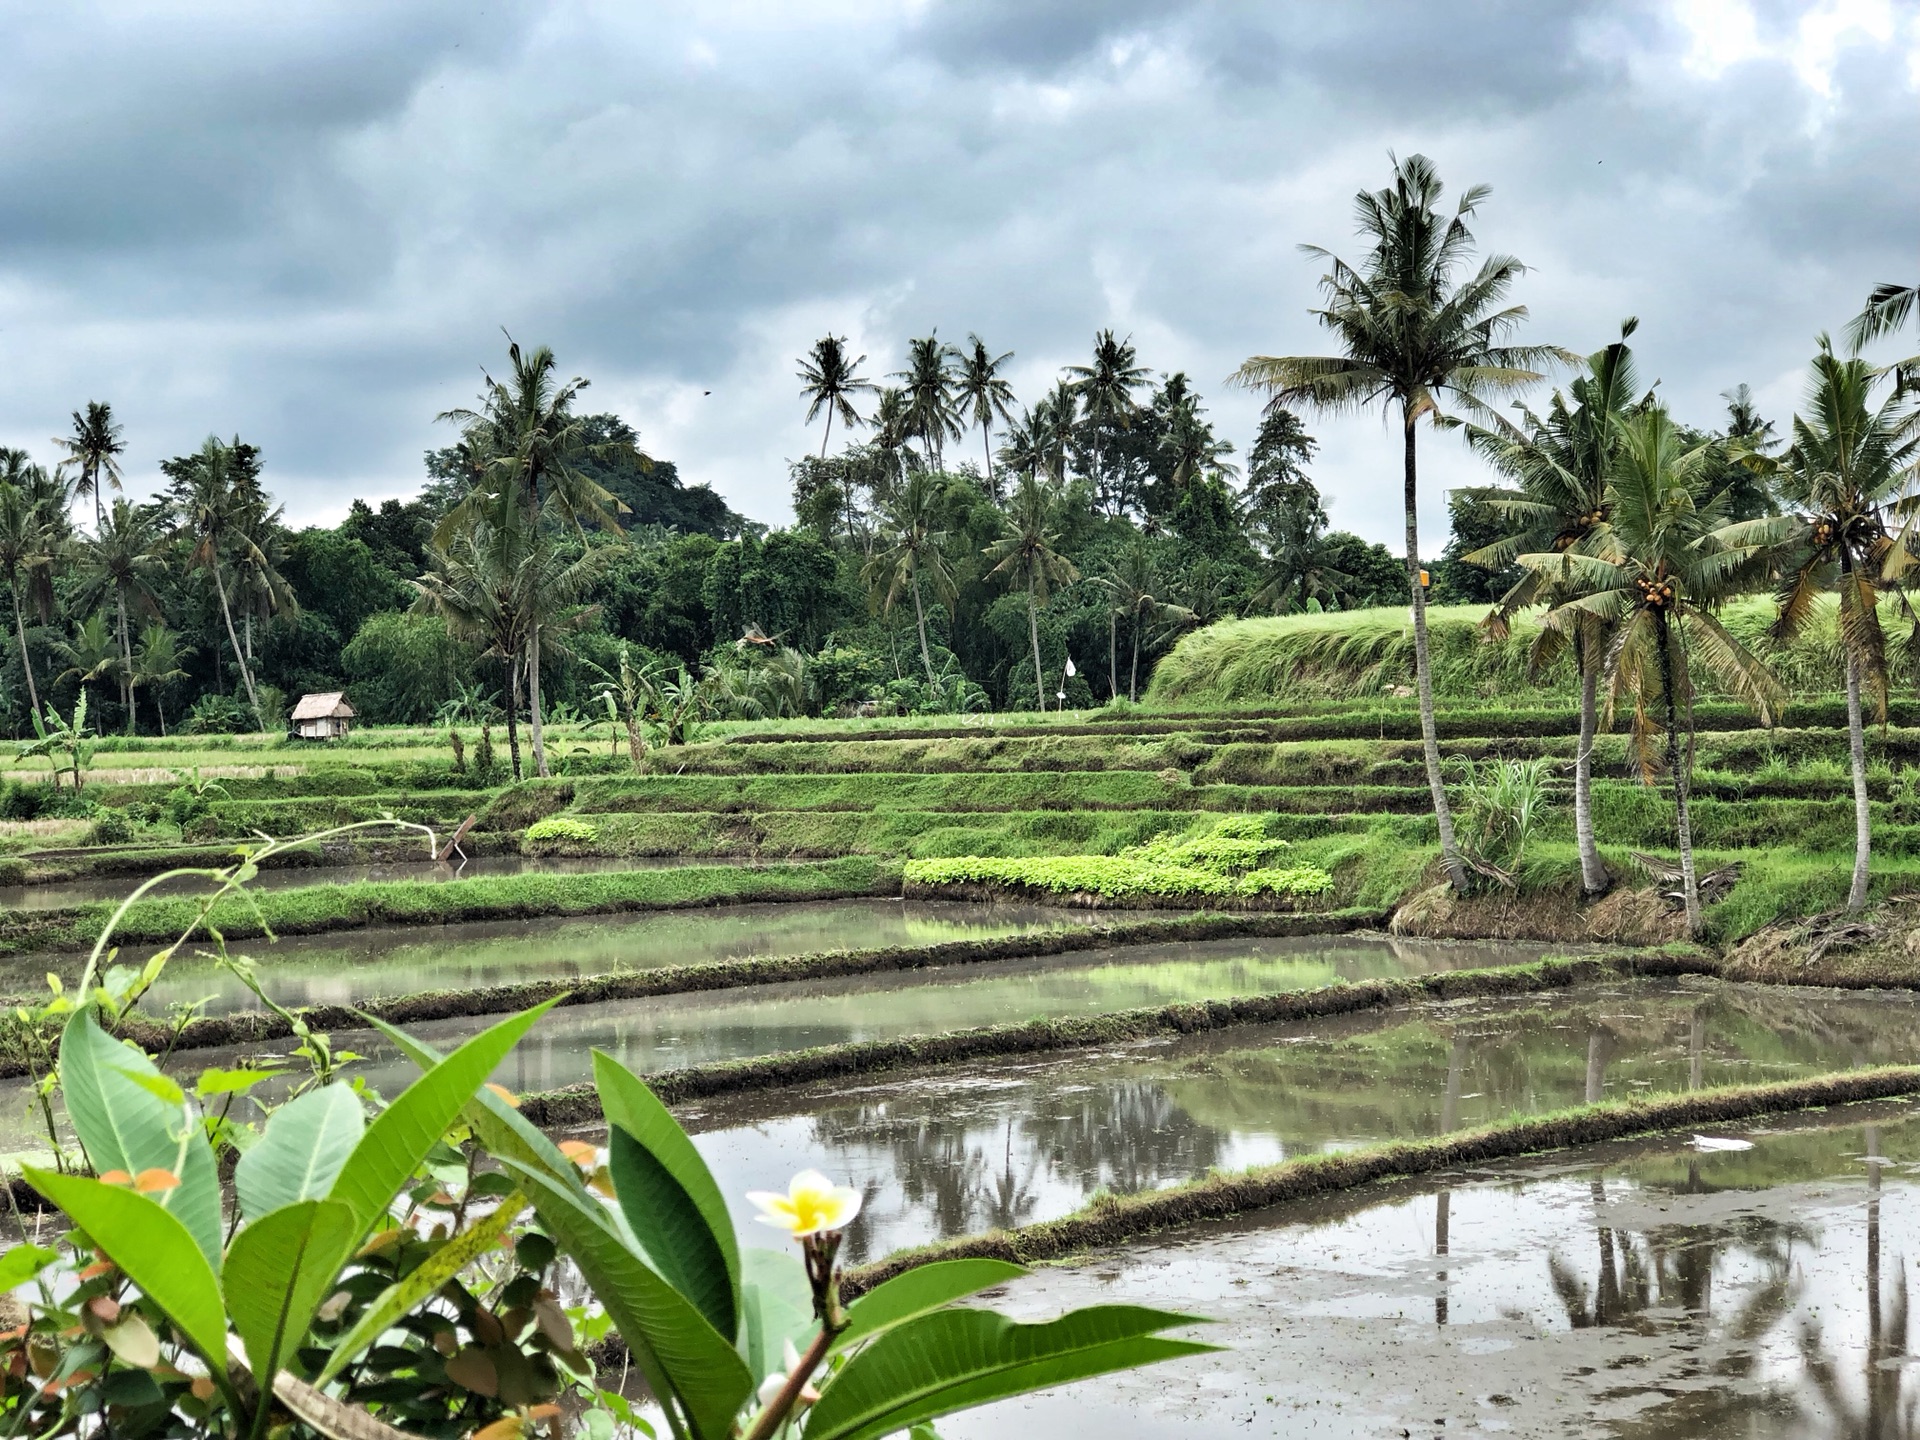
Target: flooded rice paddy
56	895
1642	1290
1014	1140
355	965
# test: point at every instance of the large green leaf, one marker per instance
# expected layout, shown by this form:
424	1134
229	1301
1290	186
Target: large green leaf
506	1133
956	1359
278	1271
676	1208
399	1140
671	1231
158	1253
776	1306
676	1350
918	1291
399	1299
306	1143
122	1110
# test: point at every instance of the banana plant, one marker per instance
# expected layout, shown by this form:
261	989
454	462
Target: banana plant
742	1342
52	735
319	1181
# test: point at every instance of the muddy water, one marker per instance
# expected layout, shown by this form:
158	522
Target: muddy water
57	894
1641	1290
956	1151
358	965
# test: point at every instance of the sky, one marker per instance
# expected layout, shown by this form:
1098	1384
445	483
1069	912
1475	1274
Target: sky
309	224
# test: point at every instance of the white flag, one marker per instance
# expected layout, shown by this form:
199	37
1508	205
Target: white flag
1071	672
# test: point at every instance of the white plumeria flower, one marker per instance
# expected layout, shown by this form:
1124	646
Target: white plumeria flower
813	1205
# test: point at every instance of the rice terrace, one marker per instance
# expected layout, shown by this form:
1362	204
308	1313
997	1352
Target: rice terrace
1066	925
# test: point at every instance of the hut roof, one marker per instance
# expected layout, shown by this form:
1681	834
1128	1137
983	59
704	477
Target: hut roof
328	706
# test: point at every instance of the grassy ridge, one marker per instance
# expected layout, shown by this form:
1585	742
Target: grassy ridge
319	908
1368	652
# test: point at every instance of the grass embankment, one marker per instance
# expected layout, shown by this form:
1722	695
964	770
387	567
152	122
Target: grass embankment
250	1027
1109	1219
312	910
1367	652
579	1104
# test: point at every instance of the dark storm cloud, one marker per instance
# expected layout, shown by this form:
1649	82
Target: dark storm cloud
309	224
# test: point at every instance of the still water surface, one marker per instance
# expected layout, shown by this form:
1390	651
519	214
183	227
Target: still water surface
959	1150
1647	1290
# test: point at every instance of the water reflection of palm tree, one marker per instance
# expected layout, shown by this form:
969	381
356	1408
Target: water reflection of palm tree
1443	1202
1886	1411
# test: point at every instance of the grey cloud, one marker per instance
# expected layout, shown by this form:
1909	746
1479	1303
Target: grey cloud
312	230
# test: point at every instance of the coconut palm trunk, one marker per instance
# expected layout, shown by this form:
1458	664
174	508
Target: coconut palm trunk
26	660
512	663
1423	668
246	673
920	618
533	706
1593	873
1862	815
1033	631
1133	677
126	663
1113	653
1677	768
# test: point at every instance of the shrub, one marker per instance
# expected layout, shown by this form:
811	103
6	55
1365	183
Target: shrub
216	715
23	802
111	826
558	832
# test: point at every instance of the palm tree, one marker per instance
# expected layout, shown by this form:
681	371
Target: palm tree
1189	442
525	436
1292	528
121	563
214	498
1105	390
1560	462
1850	464
984	395
93	448
931	417
829	381
263	592
92	654
158	662
1411	332
1886	310
529	445
1131	584
1025	555
909	548
27	549
1650	572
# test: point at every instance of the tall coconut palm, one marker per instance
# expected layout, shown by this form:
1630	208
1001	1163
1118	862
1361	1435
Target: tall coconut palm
1886	310
213	499
526	437
1651	573
984	395
157	663
27	549
1850	464
910	549
1191	445
932	417
121	564
1105	390
528	444
93	448
261	591
1026	555
1560	464
1131	586
1413	332
829	381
